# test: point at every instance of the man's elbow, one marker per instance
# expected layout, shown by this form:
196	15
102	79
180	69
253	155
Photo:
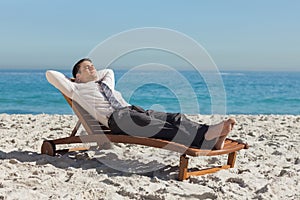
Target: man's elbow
50	75
110	72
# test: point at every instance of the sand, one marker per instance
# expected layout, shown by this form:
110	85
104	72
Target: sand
269	169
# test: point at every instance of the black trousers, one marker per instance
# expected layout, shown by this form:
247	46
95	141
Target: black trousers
135	121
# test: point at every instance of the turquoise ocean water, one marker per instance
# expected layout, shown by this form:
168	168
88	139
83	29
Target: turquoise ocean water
28	92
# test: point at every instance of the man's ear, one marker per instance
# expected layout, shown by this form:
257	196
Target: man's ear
77	79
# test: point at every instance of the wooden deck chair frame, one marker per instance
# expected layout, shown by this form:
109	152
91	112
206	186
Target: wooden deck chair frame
100	134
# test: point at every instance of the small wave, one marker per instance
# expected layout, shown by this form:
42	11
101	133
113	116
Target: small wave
232	74
280	100
19	111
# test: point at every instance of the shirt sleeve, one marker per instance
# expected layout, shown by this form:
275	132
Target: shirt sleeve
108	77
61	82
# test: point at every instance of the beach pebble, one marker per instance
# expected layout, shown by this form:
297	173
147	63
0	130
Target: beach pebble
35	173
264	189
238	181
154	180
277	153
13	161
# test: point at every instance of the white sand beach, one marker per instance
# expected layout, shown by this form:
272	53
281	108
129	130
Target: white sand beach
269	169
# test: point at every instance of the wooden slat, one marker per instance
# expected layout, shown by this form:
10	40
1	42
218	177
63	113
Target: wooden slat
226	151
208	170
230	145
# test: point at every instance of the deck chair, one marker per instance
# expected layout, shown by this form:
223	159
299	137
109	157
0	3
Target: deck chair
102	135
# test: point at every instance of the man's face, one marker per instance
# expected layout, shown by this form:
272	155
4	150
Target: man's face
86	73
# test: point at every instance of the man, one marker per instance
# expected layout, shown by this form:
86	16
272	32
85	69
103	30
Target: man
95	92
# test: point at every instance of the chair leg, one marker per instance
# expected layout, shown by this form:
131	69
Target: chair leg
183	168
75	129
48	148
231	159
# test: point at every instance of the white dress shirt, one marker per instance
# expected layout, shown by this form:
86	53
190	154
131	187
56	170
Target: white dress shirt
88	94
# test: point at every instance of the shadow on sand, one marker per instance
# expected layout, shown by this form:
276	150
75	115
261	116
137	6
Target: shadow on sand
108	163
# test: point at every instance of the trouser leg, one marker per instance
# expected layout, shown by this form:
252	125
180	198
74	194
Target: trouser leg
139	123
188	132
168	126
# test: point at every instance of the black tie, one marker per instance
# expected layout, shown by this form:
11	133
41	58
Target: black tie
109	95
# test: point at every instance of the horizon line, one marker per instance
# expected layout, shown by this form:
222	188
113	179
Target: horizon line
125	69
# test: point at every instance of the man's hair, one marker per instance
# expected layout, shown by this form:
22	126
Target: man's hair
77	66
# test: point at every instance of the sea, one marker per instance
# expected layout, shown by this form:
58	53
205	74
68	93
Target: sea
234	92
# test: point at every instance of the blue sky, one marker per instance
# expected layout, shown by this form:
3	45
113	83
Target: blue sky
238	35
